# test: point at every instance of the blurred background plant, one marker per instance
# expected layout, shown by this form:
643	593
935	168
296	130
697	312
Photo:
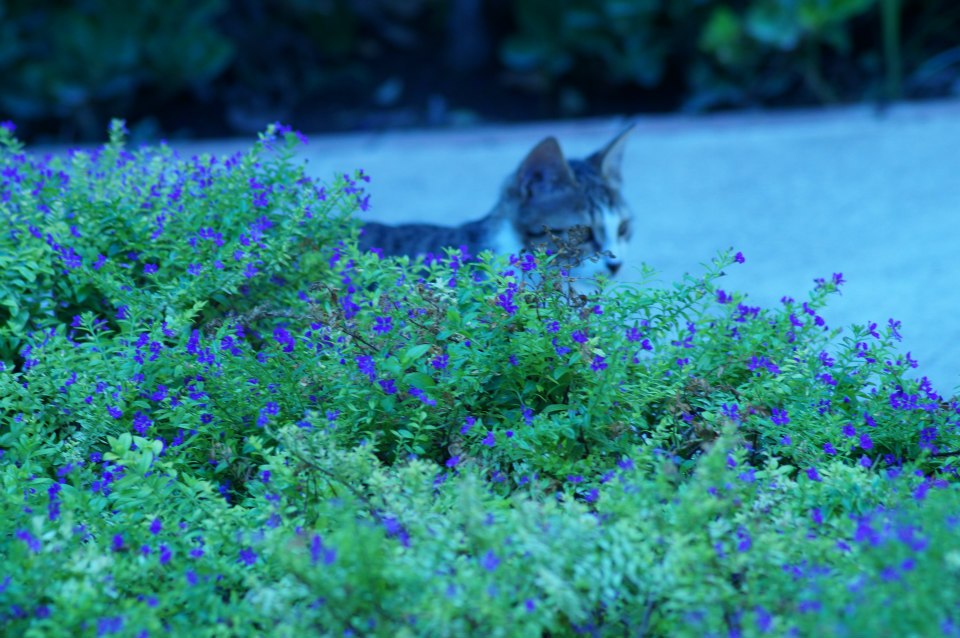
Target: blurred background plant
210	67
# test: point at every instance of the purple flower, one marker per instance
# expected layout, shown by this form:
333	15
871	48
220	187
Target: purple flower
598	363
270	409
527	415
389	386
829	449
579	336
247	556
115	412
505	299
284	338
469	423
420	394
813	475
319	552
117	543
141	423
109	625
490	562
395	529
765	363
489	440
866	442
739	258
31	541
149	269
156	525
383	325
440	361
453	460
779	417
894	329
366	366
8	125
732	412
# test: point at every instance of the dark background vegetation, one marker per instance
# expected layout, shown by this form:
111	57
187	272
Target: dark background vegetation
176	68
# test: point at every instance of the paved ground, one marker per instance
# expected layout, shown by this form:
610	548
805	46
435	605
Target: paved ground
802	195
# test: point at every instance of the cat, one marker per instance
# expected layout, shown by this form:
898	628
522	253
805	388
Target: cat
547	198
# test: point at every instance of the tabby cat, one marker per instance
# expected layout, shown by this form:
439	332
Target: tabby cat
546	200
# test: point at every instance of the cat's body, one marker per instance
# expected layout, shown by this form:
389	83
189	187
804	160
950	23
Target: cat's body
545	196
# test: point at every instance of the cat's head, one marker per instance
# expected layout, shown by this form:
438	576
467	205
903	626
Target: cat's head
577	202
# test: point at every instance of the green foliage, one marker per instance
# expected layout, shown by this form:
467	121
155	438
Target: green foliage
63	58
730	53
274	433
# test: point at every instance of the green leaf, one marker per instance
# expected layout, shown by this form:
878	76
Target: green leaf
413	353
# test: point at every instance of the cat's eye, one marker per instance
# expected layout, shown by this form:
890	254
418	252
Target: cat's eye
623	229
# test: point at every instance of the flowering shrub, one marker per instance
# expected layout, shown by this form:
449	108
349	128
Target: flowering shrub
217	416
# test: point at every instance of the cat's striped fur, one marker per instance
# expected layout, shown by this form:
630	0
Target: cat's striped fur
546	195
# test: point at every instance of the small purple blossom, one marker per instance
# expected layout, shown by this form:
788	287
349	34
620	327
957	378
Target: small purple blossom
490	562
389	386
779	417
383	325
247	556
440	362
319	552
420	394
366	366
763	362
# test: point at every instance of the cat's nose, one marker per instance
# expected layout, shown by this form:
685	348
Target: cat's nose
614	266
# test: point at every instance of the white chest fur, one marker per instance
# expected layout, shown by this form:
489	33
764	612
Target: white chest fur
504	239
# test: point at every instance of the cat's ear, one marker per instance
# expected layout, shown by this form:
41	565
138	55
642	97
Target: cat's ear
607	160
544	171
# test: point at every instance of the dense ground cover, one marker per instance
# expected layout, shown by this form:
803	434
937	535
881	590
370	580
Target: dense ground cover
217	417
